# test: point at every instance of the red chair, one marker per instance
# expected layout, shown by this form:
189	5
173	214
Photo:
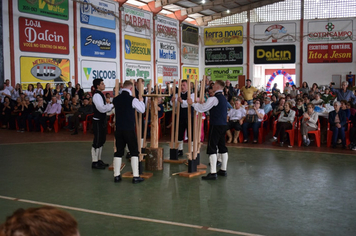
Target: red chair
316	133
159	125
267	129
261	136
55	125
88	120
290	132
330	134
110	123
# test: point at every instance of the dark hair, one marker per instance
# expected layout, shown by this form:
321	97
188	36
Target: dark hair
220	82
307	86
184	81
97	82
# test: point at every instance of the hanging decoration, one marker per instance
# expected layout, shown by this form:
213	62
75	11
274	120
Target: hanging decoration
274	75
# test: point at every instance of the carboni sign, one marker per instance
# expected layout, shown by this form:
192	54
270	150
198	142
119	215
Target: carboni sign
136	21
223	35
224	73
333	30
45	8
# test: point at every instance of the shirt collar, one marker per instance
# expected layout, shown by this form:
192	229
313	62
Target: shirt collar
218	91
127	90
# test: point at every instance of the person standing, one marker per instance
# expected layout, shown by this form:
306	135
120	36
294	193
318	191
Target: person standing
217	107
99	124
125	106
248	91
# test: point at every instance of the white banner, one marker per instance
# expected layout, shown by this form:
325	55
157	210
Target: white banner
167	52
135	71
190	54
330	30
274	33
91	70
167	28
136	21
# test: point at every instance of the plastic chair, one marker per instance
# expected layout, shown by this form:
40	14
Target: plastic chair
317	134
110	121
330	135
267	129
55	125
261	136
290	132
88	120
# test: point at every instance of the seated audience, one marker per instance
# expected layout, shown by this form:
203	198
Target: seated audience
26	109
36	115
254	117
300	107
345	109
267	105
304	89
81	115
279	108
294	92
309	123
47	93
317	100
30	93
5	113
38	90
235	118
53	109
337	120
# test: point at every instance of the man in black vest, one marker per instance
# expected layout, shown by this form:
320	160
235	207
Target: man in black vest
99	123
183	115
125	106
217	107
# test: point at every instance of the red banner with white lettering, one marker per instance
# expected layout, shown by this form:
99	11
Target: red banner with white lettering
330	53
43	36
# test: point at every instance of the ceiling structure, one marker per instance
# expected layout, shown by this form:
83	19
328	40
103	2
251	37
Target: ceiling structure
199	12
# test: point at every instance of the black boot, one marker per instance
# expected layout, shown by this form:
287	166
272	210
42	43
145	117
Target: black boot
128	155
97	165
136	180
180	152
102	163
222	173
117	178
210	177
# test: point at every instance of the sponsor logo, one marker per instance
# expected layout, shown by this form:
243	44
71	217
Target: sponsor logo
127	46
274	55
103	44
99	74
330	33
46	71
171	54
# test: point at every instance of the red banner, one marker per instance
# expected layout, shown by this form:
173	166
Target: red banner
330	53
43	36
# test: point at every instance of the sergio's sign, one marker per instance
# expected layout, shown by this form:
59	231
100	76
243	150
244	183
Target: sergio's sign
223	35
43	36
167	52
135	71
44	70
224	73
276	33
136	21
137	48
190	54
95	43
330	53
274	54
190	72
223	56
98	70
90	15
190	34
166	28
333	30
42	8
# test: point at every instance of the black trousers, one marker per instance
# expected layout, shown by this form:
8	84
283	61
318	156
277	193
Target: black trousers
217	139
99	128
44	121
234	125
183	125
124	137
281	129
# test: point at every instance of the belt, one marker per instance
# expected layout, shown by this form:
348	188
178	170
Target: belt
234	121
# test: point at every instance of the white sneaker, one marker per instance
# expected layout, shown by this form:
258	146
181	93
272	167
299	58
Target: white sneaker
354	148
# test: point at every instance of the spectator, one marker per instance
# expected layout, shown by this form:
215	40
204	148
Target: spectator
314	88
67	109
57	90
305	88
38	90
275	89
343	93
267	105
300	107
248	91
317	100
75	104
53	109
30	92
8	85
26	109
236	90
70	89
346	110
81	115
230	89
327	97
235	118
350	79
309	123
108	96
68	96
4	93
287	88
306	101
279	108
78	91
48	93
256	116
274	101
337	120
294	92
15	113
16	93
36	115
5	114
285	122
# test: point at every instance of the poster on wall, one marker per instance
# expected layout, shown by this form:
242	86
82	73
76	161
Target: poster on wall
137	48
331	30
224	56
136	71
166	73
167	52
190	34
276	54
223	35
274	33
91	70
330	53
190	54
224	73
136	21
190	72
44	8
90	15
44	70
95	43
167	28
43	36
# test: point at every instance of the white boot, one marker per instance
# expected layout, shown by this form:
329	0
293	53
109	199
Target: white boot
225	157
99	153
94	154
180	145
213	160
117	166
134	166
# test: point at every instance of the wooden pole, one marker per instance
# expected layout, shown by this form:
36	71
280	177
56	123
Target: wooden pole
140	92
147	115
136	118
172	143
116	94
196	123
189	124
201	100
178	112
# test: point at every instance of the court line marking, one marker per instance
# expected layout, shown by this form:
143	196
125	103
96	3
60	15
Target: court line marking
130	217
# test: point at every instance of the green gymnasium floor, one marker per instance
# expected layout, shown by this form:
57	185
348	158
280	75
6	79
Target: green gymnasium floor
267	192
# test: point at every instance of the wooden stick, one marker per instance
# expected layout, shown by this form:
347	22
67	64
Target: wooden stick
160	89
178	112
172	143
140	92
116	94
201	100
147	114
136	118
189	123
196	123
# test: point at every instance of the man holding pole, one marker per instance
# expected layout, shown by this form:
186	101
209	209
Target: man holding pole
125	105
217	106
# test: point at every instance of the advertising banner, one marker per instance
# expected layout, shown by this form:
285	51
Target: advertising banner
103	18
224	56
166	73
190	54
136	21
44	70
136	71
190	72
43	36
137	48
167	52
331	30
224	73
167	28
190	34
330	53
95	43
43	8
91	70
277	54
223	35
275	33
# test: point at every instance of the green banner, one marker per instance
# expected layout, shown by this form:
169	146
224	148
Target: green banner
224	73
51	8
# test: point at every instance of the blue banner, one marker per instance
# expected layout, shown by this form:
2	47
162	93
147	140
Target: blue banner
95	43
96	16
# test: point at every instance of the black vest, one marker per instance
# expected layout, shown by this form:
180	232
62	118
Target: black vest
184	111
97	113
218	114
124	112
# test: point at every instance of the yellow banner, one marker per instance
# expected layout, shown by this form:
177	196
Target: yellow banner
223	35
44	70
137	48
191	72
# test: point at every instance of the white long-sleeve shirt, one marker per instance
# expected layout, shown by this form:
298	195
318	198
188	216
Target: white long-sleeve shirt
210	103
136	104
99	104
184	104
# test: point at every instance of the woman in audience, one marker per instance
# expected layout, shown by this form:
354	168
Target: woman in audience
256	116
337	120
15	113
285	122
78	91
315	88
36	115
305	88
275	89
235	118
26	109
6	113
294	92
30	93
47	93
317	100
274	102
300	107
38	90
345	109
16	93
67	109
279	108
309	123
